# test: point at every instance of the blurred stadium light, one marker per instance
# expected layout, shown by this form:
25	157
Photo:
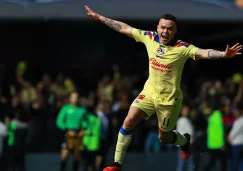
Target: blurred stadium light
227	4
127	9
33	2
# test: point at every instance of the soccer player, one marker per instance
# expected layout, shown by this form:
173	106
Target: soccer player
161	94
70	120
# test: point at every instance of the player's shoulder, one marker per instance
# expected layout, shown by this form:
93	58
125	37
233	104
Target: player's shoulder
182	44
153	35
150	33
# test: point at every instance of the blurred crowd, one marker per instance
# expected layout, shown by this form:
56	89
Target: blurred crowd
214	117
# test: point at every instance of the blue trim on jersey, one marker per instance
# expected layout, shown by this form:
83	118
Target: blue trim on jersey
148	33
185	44
124	132
157	38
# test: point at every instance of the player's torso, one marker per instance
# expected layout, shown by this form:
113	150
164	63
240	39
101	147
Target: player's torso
164	59
73	114
166	64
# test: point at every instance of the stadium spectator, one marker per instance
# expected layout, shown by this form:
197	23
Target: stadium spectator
236	139
17	142
91	141
152	143
103	112
184	124
3	134
216	139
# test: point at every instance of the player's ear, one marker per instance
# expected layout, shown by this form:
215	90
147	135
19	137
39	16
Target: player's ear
157	28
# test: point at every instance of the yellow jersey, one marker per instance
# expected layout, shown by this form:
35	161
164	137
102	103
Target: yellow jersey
166	64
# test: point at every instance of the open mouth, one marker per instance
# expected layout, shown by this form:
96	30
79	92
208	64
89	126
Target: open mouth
164	37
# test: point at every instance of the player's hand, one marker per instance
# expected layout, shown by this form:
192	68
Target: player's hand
71	133
91	13
81	133
233	51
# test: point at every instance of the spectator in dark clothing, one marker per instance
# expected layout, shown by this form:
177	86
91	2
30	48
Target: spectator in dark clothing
3	138
103	112
17	142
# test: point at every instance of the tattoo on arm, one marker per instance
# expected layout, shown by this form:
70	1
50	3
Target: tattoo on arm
112	24
214	54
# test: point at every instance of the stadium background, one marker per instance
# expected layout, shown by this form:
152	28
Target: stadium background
83	51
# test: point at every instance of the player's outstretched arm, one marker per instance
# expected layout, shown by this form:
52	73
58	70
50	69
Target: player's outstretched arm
215	54
115	25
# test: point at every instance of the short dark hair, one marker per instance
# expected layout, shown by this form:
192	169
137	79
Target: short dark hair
169	17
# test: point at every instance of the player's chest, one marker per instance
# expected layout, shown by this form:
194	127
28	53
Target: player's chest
72	112
163	52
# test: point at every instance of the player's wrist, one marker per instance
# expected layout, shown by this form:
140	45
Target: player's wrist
224	54
101	18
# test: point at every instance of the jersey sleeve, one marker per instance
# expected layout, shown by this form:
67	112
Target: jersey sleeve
189	50
140	35
61	118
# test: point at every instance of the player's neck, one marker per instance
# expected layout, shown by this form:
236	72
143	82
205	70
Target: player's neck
74	105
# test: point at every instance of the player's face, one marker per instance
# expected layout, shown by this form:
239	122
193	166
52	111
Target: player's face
185	111
166	30
74	98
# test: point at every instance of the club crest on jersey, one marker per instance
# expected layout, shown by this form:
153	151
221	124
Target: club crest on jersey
160	52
